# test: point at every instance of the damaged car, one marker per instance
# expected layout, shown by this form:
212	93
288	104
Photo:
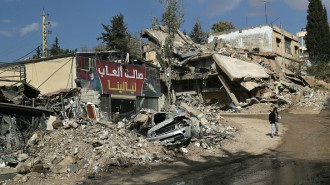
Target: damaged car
170	128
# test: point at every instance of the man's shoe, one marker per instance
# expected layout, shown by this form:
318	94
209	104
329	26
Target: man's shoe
271	136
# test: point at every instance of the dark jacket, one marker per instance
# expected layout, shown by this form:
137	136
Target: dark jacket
273	117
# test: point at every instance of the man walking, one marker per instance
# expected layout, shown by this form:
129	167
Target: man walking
273	120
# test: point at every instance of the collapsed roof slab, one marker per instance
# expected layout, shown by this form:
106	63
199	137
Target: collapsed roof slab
237	69
250	85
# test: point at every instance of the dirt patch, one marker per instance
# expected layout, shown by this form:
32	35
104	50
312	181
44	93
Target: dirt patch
254	136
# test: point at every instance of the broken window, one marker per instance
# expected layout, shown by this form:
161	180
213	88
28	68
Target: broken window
296	50
121	108
278	42
288	45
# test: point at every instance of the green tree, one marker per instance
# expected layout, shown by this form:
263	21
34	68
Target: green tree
56	49
318	40
197	34
222	26
135	44
115	35
172	18
38	53
318	34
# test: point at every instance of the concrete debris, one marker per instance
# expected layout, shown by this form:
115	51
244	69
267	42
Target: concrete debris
240	74
184	150
237	69
22	157
311	100
22	169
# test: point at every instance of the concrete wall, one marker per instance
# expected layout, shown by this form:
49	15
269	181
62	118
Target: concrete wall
285	62
37	74
279	49
41	74
249	38
90	96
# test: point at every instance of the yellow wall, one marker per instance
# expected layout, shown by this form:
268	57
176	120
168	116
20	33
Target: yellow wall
37	73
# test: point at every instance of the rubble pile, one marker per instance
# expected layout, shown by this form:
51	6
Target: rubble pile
210	128
86	148
312	100
255	81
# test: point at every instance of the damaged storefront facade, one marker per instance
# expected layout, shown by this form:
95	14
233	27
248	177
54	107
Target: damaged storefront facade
103	86
126	84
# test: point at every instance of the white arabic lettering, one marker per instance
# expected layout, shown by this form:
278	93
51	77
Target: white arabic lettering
127	75
119	73
102	72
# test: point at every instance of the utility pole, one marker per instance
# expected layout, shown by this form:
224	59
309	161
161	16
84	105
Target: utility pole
44	33
265	1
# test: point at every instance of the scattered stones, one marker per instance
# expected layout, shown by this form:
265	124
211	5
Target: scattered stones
204	121
184	150
22	168
73	124
22	157
121	124
104	135
33	140
25	178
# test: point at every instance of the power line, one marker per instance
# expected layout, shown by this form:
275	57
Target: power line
21	43
27	54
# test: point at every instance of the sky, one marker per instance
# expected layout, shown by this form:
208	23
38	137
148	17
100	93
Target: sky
77	23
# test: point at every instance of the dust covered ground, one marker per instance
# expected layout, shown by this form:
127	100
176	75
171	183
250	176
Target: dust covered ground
252	139
251	136
303	157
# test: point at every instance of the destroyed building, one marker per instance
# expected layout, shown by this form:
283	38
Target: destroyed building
22	84
105	86
226	74
265	38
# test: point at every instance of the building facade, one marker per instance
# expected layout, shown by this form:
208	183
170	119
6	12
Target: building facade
264	38
123	84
